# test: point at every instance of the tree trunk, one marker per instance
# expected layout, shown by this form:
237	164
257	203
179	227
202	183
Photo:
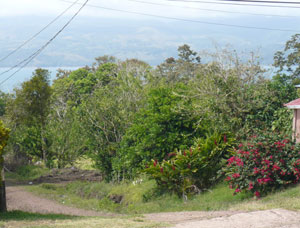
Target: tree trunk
2	193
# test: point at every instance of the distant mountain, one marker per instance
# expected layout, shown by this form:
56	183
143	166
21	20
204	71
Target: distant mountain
148	40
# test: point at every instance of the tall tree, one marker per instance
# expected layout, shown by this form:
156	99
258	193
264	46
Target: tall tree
28	112
288	60
4	132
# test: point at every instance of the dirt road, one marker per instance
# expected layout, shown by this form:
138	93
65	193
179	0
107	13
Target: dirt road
19	199
276	218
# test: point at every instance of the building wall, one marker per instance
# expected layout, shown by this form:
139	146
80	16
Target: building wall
296	125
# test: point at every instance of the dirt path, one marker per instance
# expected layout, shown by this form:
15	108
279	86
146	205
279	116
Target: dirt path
277	218
19	199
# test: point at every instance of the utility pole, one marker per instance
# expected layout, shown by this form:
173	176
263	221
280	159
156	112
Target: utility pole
2	188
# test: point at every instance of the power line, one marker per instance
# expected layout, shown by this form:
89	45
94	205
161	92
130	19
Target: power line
212	10
26	61
35	35
235	4
190	20
260	1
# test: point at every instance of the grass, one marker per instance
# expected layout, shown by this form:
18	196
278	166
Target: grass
29	220
26	173
137	198
140	198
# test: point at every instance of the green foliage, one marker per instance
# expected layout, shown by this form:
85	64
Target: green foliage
166	122
27	112
189	172
182	69
109	111
122	114
283	121
4	134
27	173
288	60
264	163
138	197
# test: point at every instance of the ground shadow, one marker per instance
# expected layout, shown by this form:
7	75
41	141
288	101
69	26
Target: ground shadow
27	216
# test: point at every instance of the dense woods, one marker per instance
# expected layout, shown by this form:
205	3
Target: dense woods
130	117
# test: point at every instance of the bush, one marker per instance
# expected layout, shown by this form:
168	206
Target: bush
165	123
263	164
191	171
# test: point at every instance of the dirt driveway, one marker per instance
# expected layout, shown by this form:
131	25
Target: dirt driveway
223	219
19	199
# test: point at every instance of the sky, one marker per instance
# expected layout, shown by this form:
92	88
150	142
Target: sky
150	30
167	8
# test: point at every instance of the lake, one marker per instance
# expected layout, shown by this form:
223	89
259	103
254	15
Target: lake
24	75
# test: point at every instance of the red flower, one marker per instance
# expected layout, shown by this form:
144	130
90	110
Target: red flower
216	143
257	194
266	180
161	169
228	178
225	139
276	167
236	175
237	190
250	186
184	153
155	163
171	154
241	145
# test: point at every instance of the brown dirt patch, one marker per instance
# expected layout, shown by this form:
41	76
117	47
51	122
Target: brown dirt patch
19	199
70	174
275	218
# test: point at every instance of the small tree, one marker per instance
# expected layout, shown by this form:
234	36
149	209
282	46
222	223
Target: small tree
4	132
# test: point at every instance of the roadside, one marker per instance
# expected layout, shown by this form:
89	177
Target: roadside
19	199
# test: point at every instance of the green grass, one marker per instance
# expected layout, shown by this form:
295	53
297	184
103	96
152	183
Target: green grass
26	173
26	216
140	198
137	198
32	220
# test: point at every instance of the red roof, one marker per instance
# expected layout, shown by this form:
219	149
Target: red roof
293	103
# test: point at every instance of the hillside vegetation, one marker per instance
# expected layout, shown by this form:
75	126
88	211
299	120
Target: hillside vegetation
182	127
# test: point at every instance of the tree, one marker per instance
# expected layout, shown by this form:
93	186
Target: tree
4	133
182	69
27	112
288	60
166	122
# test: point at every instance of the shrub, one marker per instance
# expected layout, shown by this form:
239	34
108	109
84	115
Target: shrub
263	164
191	171
165	123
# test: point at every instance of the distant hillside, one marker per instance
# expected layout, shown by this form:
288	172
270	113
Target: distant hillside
149	40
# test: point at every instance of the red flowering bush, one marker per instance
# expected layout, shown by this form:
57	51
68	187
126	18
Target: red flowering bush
190	171
263	164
